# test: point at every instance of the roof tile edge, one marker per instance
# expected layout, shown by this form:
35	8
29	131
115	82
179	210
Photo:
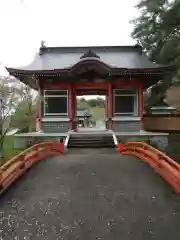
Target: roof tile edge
44	49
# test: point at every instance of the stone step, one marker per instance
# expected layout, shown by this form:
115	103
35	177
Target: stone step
90	141
91	137
86	151
92	146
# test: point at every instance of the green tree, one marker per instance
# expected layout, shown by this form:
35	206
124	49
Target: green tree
24	118
11	98
82	103
157	30
93	102
148	27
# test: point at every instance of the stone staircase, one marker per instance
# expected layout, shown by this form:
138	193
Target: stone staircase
91	141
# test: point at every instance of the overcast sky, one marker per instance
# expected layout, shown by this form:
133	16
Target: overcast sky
61	23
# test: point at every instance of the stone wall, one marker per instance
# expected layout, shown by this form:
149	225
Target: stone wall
169	144
160	142
21	142
55	127
173	149
126	126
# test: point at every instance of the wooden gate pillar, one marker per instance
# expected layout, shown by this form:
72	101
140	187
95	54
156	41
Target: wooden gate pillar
39	124
72	107
141	105
110	105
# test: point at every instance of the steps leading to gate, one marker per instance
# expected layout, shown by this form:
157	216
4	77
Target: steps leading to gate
91	141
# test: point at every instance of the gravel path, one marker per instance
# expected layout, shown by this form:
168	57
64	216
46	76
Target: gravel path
89	195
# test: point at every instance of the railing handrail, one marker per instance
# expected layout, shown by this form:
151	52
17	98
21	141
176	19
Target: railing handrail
19	164
166	158
15	158
66	141
115	139
166	167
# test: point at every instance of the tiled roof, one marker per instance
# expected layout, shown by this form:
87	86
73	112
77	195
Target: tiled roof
51	58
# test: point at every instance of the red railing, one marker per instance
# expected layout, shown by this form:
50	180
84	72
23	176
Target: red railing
18	165
167	168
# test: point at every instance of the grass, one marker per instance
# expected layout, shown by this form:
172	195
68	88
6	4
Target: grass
8	148
97	113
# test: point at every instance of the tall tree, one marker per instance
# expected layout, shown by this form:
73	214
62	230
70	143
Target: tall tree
157	29
10	99
24	118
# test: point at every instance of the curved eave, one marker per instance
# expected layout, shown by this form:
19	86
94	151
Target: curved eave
89	61
108	69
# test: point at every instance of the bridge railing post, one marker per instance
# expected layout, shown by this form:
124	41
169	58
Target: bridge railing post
22	158
61	145
1	174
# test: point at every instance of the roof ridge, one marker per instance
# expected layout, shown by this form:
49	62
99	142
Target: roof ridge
45	49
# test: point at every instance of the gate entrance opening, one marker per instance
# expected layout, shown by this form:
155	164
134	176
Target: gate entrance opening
91	110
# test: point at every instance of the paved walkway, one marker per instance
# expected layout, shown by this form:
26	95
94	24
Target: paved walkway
92	194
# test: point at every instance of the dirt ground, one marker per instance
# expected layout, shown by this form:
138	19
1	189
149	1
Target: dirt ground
90	194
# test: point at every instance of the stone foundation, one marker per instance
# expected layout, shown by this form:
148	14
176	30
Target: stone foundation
160	142
55	127
22	142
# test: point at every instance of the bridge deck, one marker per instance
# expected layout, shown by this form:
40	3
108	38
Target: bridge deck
90	194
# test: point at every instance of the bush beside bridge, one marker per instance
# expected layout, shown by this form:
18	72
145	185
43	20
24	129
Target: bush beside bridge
8	148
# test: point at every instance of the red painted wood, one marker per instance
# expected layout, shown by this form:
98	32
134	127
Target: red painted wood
74	104
40	114
110	105
116	83
91	86
58	86
106	106
110	93
70	105
120	147
107	86
124	83
140	104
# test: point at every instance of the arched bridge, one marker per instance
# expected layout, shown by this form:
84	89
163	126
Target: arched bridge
90	194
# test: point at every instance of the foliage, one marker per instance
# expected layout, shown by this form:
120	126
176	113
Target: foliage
15	98
95	106
83	104
157	30
8	148
10	99
157	94
98	102
25	115
97	113
121	141
173	98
